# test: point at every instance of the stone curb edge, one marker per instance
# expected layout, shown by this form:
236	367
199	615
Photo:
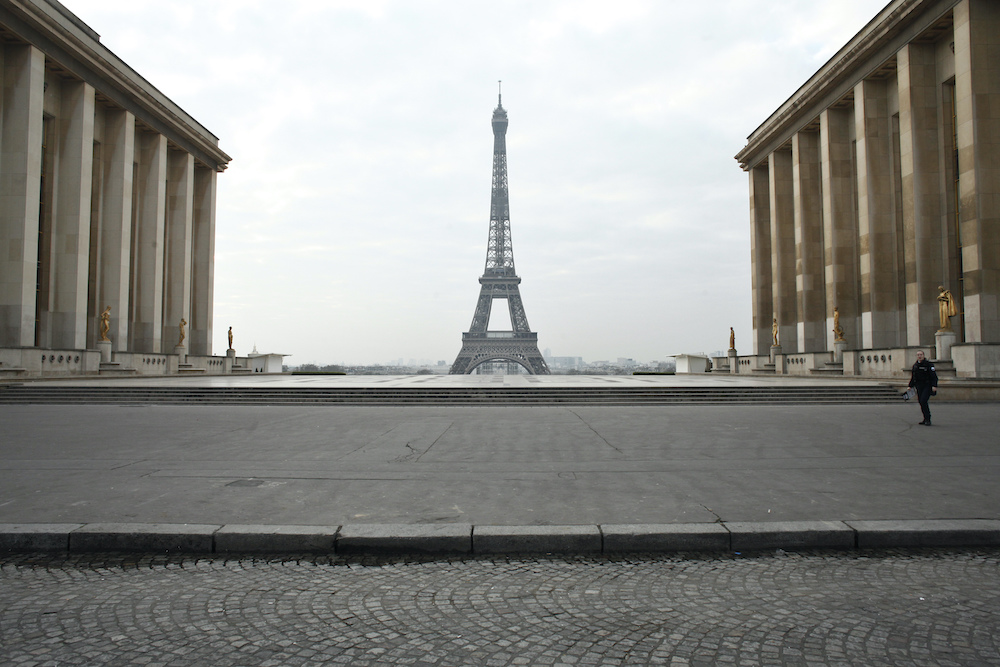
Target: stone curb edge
467	539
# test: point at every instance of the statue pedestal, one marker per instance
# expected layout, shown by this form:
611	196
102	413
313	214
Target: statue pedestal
777	363
734	362
839	346
104	347
231	353
181	352
943	340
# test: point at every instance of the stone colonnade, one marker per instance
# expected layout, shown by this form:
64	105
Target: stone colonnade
107	199
879	182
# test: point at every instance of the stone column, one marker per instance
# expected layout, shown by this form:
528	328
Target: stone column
760	259
977	111
203	261
116	222
808	201
20	175
880	314
147	290
783	247
920	169
177	257
840	240
71	216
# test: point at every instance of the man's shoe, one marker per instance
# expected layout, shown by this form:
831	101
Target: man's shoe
923	423
927	423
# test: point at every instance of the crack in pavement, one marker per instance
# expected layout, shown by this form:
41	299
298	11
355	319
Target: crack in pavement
596	433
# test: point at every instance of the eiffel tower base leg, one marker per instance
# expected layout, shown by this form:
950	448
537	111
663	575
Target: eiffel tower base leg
477	350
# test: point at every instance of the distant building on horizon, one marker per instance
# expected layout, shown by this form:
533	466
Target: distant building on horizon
566	363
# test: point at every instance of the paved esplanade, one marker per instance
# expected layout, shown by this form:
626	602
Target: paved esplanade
876	608
499	465
495	465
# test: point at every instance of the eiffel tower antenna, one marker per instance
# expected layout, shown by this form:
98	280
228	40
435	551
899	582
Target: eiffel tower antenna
499	281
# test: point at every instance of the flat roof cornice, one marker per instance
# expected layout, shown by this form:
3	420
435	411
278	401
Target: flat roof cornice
875	44
71	43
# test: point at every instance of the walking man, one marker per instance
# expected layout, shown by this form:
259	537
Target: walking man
923	378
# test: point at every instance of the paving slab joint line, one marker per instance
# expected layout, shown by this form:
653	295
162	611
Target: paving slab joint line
565	540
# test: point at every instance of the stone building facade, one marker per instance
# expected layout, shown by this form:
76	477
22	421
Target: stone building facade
107	200
873	186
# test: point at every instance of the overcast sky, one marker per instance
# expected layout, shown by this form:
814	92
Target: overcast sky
352	222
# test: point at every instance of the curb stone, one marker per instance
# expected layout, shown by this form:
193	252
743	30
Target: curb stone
256	538
927	533
36	537
665	537
750	536
536	539
405	538
445	539
144	537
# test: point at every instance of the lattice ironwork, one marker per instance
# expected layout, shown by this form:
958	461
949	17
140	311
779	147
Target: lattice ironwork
499	281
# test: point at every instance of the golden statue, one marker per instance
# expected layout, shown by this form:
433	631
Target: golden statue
183	324
946	308
230	338
732	339
774	332
838	331
106	324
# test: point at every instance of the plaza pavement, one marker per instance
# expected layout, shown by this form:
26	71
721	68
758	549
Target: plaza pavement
572	479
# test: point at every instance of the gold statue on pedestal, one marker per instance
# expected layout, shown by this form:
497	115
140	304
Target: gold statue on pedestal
106	324
183	324
774	332
838	331
946	308
230	338
732	339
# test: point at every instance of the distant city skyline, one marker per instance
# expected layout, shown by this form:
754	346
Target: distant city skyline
553	359
353	217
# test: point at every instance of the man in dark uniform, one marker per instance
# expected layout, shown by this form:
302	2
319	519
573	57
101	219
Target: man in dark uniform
923	378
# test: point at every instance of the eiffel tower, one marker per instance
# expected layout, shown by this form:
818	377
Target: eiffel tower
499	281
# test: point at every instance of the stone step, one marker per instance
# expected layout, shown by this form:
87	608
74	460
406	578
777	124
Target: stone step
115	369
450	396
829	368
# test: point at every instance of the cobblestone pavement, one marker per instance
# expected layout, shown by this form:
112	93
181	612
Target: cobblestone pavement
921	607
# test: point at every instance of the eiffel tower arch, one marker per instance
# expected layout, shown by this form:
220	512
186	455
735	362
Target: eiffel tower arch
499	281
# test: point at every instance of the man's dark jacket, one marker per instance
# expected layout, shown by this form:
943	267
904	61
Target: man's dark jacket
923	374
